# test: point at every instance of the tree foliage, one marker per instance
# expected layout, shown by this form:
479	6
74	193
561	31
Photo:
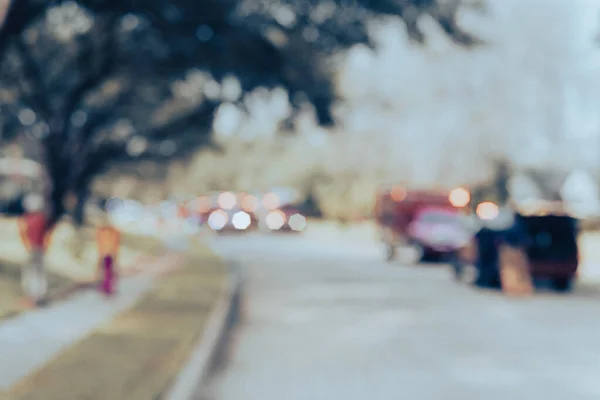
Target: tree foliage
93	82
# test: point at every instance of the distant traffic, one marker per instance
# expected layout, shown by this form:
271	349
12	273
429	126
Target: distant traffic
220	212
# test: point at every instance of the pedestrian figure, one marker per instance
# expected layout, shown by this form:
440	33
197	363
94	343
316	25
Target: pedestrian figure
108	247
35	281
488	241
109	281
33	227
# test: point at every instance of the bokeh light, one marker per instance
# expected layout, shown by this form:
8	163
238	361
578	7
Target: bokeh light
297	222
202	204
227	200
275	220
398	193
487	211
460	197
241	220
250	203
217	220
271	201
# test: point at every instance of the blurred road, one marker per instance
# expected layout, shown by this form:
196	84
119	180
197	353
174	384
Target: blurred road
326	319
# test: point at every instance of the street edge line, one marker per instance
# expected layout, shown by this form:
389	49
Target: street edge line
192	375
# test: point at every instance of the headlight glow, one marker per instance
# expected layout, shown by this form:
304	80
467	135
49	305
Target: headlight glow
241	220
487	211
275	220
459	197
297	222
217	220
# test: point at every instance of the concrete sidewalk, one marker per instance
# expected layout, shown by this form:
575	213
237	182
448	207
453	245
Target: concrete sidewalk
11	293
130	347
33	338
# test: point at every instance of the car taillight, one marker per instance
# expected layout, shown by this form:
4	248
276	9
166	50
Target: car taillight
398	194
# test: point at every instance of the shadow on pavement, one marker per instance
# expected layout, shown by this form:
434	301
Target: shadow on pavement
226	345
11	294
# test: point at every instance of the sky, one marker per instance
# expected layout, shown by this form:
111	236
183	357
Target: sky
531	91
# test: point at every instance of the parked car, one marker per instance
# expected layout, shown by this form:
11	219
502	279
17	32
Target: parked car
438	233
545	238
397	208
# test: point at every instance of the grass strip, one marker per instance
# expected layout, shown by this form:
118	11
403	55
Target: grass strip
137	355
11	293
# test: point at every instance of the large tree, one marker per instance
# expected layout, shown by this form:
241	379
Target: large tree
98	81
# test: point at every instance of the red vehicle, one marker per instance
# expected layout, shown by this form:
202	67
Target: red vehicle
438	233
397	210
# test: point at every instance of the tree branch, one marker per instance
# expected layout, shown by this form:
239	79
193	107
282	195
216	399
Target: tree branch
33	74
456	33
199	116
81	149
97	73
20	14
96	160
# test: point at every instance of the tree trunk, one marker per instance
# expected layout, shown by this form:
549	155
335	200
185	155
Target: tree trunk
82	195
56	197
78	216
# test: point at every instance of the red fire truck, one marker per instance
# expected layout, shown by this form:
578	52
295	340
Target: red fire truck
428	221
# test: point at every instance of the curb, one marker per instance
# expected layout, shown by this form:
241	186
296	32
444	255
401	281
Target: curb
199	366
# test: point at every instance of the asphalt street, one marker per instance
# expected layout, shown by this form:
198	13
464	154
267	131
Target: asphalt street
326	318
